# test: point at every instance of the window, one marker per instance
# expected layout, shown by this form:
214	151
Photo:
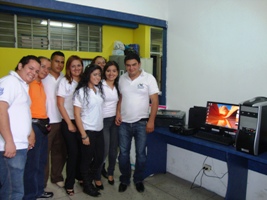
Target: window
31	34
89	38
7	30
63	36
36	33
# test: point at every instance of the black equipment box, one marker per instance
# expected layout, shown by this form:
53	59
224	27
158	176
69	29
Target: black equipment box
165	118
181	129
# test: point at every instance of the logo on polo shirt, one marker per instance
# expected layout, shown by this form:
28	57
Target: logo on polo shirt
1	91
140	86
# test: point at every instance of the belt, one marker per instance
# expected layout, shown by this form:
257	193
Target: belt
144	119
34	120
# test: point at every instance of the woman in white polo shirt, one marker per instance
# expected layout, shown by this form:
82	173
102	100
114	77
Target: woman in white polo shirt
88	113
111	98
66	88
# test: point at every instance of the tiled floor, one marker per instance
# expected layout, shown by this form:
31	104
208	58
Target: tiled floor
157	187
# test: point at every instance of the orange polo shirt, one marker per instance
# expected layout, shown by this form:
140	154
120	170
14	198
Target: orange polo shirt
38	98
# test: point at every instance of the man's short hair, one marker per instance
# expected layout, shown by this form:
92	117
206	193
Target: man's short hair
57	53
131	56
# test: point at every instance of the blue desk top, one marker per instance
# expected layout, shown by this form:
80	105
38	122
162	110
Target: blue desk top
213	149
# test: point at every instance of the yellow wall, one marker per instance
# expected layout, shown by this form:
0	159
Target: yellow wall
142	37
9	57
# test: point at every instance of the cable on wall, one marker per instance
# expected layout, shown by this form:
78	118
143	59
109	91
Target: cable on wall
203	170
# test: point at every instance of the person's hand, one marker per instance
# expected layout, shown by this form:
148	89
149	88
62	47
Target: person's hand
118	120
10	150
72	127
86	141
150	127
31	140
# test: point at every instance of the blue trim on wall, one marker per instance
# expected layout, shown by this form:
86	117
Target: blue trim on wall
67	17
88	11
162	99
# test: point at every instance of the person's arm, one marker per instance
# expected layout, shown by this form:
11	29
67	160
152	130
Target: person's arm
78	120
5	131
153	113
118	112
64	114
31	139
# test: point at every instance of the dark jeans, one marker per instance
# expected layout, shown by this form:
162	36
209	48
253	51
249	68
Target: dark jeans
94	151
35	166
126	132
73	143
110	132
11	175
56	154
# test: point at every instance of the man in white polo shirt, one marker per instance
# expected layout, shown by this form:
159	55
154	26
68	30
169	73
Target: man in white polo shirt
15	126
137	88
56	144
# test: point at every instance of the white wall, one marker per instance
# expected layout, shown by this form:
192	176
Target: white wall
217	50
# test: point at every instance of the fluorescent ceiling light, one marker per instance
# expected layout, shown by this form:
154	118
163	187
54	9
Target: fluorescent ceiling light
58	24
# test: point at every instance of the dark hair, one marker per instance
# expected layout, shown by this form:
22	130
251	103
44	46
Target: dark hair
94	59
116	81
57	53
26	59
83	83
131	56
68	66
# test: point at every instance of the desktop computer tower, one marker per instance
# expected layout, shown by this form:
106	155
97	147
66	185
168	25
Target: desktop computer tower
252	128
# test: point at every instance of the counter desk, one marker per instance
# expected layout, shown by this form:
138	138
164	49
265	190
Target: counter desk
238	163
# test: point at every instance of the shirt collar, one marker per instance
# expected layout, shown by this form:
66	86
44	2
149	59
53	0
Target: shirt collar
13	73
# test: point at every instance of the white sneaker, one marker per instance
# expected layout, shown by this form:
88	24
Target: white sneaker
60	184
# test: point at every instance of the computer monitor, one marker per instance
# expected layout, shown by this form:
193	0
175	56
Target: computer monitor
222	117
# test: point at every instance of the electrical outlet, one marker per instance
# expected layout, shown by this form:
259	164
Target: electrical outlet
206	167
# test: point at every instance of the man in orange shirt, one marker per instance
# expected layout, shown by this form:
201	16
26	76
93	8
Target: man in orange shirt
37	155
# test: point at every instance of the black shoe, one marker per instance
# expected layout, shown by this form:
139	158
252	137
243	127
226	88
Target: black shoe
92	191
140	187
46	195
104	172
122	187
111	182
100	187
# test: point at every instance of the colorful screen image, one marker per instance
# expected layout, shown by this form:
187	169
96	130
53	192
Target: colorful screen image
222	115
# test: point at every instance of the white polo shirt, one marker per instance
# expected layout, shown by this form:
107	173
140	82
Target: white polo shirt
91	109
66	90
135	96
50	86
110	101
14	91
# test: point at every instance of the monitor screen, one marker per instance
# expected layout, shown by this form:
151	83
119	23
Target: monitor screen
222	116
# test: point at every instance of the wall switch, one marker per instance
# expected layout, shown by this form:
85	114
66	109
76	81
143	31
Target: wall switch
206	167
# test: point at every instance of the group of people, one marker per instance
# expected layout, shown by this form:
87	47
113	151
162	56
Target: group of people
80	118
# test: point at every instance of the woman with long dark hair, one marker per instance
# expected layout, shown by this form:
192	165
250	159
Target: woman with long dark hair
88	113
110	86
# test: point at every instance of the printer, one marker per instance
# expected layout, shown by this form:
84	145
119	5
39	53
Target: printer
252	127
165	118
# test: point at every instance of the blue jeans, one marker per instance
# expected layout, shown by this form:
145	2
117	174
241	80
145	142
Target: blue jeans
126	132
11	175
35	166
110	132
